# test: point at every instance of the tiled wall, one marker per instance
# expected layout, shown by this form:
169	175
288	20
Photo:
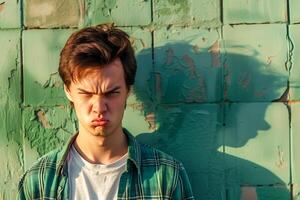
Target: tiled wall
218	87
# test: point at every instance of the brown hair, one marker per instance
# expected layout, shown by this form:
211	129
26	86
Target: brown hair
93	47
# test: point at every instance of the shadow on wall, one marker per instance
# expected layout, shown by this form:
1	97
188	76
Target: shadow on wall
184	91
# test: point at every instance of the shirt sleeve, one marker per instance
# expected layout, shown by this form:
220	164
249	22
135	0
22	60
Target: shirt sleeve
21	192
183	189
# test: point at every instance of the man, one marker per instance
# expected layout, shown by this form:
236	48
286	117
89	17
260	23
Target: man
103	160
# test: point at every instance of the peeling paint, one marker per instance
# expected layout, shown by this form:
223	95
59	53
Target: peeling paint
244	79
158	90
150	118
43	9
2	6
42	119
248	193
215	54
170	56
280	162
191	64
53	13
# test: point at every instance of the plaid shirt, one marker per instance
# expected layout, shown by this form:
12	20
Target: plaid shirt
150	174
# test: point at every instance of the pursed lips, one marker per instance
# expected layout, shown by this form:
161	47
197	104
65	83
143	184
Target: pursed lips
100	122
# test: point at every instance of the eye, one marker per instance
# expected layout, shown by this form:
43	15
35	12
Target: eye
85	94
112	93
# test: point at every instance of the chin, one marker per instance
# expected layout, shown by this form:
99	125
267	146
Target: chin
98	131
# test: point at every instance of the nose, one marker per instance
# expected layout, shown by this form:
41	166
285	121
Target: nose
99	105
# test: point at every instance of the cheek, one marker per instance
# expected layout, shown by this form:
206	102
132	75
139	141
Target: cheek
82	106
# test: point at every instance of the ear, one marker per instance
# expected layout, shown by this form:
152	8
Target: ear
67	92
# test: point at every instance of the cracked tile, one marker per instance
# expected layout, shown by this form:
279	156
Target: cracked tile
295	70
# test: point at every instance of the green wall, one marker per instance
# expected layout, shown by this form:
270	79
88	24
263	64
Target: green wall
218	88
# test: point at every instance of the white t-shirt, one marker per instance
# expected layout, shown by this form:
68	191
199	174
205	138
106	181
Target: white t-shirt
93	181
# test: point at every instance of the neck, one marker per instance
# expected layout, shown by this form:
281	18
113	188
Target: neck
101	149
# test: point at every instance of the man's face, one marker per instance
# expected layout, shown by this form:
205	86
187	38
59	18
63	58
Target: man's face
99	100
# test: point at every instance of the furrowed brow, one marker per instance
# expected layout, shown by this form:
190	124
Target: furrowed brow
84	91
112	89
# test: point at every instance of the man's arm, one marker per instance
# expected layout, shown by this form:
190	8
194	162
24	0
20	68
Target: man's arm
183	188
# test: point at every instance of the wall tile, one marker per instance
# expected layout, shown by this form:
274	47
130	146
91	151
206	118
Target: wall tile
190	133
10	16
187	65
53	13
204	13
294	13
254	62
252	11
121	12
42	84
256	140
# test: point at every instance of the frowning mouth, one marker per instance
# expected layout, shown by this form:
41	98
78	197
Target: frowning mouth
99	122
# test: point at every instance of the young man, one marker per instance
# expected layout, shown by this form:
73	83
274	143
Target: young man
103	160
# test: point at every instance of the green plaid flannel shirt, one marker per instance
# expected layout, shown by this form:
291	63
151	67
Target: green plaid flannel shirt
150	174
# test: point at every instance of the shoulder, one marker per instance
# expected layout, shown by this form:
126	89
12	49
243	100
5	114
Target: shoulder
164	173
44	168
152	156
48	161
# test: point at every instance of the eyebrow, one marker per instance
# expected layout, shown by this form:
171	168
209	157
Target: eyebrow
108	91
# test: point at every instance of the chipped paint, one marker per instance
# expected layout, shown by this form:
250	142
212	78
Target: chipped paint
280	163
42	119
2	6
43	9
248	193
215	54
48	14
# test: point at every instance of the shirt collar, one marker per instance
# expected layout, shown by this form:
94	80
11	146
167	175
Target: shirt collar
134	153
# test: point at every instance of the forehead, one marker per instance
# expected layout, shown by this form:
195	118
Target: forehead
112	71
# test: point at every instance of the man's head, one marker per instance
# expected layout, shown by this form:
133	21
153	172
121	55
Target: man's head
94	47
98	67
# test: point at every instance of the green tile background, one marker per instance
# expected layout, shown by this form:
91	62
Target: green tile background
121	12
53	13
10	113
10	15
255	57
252	11
189	12
188	65
294	14
41	59
212	94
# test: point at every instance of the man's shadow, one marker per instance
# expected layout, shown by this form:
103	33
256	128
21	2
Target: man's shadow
194	120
